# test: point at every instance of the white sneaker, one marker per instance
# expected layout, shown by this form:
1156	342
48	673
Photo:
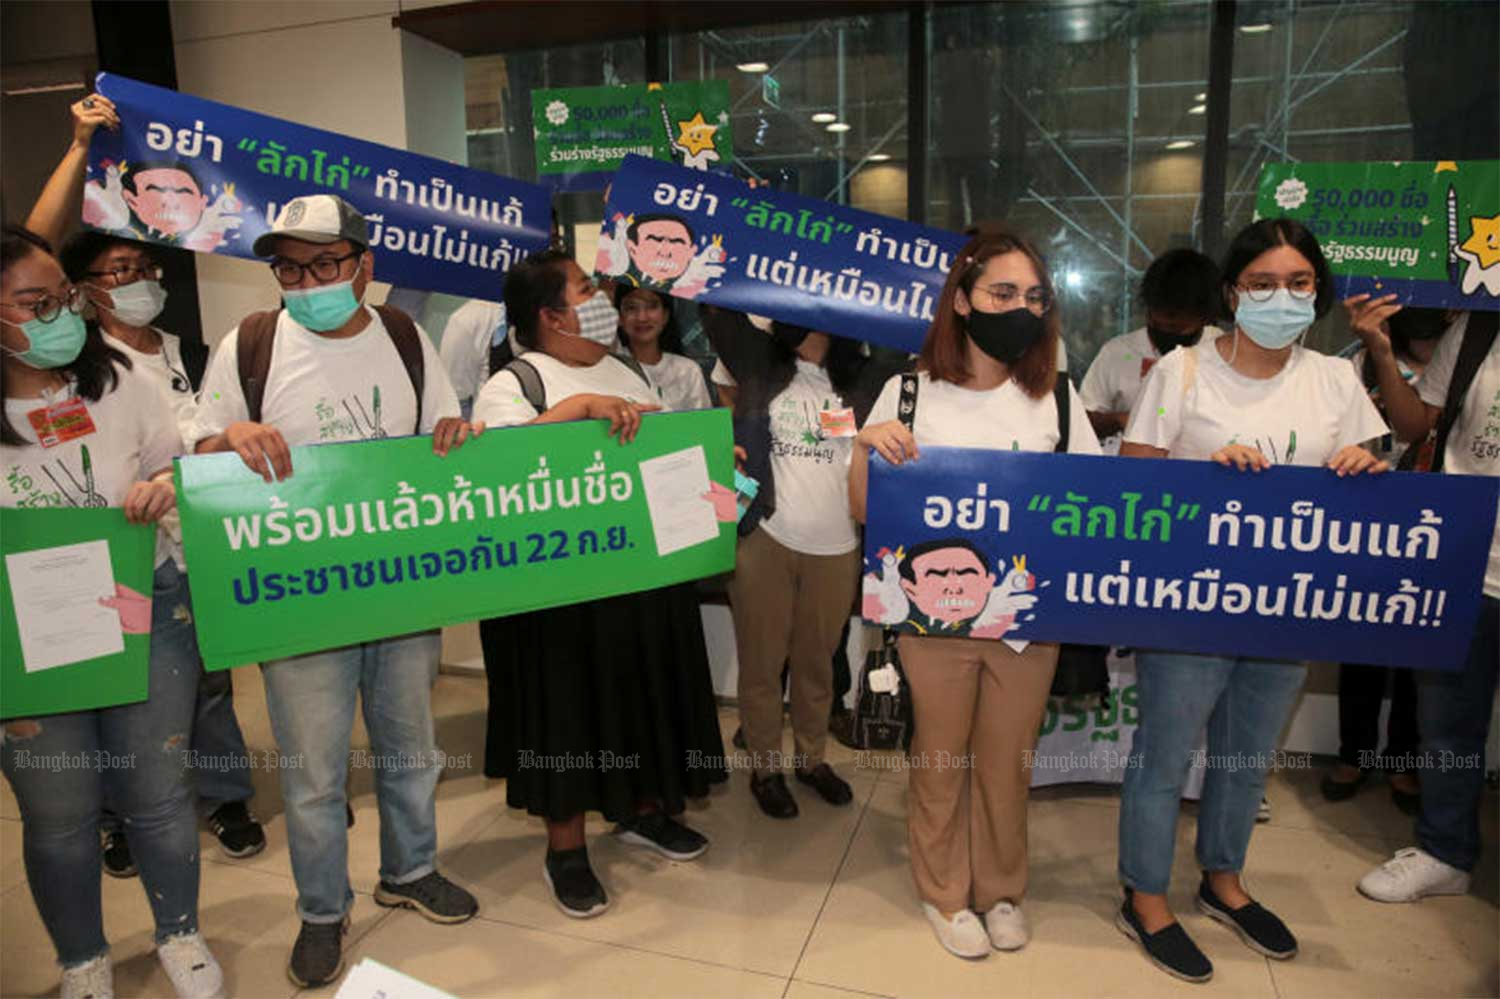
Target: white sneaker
191	967
1412	874
1263	812
962	935
91	980
1008	927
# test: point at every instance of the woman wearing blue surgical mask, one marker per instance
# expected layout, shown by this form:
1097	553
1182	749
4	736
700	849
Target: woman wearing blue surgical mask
621	685
79	431
1249	400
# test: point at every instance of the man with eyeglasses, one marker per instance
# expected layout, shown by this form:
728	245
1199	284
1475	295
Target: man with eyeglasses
327	368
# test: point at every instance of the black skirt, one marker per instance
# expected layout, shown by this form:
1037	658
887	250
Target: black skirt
602	705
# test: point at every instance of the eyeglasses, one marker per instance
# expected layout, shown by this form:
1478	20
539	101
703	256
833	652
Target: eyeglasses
1301	288
123	274
325	269
49	307
1007	296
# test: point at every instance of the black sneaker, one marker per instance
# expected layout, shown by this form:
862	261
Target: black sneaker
118	863
830	786
1341	790
238	833
318	954
1260	928
348	816
1169	948
572	883
663	834
841	727
432	895
773	797
739	738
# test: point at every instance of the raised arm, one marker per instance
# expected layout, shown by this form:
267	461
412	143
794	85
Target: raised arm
60	200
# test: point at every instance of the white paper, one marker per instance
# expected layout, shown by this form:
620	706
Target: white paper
56	593
675	485
370	979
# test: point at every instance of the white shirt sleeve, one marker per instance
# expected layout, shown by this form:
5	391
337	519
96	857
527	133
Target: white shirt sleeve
438	398
501	404
1097	394
161	441
465	349
221	400
1156	420
885	408
698	398
1081	436
721	376
1359	420
1433	385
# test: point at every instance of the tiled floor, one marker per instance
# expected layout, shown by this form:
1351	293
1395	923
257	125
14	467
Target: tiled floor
817	908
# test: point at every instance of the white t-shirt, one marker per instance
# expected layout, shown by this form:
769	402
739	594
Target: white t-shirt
1303	416
999	419
680	381
811	470
134	436
720	376
320	390
166	368
465	349
501	404
1474	442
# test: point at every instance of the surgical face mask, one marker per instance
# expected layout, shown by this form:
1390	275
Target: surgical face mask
53	345
1006	336
137	304
325	308
597	320
1276	322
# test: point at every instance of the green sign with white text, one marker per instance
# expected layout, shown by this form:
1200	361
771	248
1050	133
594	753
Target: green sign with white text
374	539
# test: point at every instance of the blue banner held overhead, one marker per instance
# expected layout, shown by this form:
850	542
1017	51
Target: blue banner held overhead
183	171
715	239
1291	563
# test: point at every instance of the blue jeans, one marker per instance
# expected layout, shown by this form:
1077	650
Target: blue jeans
222	761
311	703
135	754
1243	703
1453	717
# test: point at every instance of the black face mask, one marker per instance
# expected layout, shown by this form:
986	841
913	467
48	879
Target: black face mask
790	337
1006	336
1165	342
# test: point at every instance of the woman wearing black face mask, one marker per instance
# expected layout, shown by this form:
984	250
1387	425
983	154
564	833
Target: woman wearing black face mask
986	379
1180	291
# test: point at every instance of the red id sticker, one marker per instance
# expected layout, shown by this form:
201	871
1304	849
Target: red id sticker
64	422
837	423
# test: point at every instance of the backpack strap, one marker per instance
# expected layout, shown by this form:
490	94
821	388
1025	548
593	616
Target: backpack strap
257	339
1062	395
532	389
906	406
408	342
630	362
1479	339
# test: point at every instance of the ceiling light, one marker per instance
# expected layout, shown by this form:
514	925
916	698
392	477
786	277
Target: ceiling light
1256	29
1181	144
839	126
878	157
1198	109
824	117
758	67
1200	97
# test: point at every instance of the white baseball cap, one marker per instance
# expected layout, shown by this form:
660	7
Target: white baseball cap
316	218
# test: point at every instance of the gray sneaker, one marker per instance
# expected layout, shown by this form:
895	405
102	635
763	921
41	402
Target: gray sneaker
318	954
433	896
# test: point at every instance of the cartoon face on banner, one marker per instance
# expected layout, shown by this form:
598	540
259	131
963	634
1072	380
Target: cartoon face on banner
160	201
660	252
947	587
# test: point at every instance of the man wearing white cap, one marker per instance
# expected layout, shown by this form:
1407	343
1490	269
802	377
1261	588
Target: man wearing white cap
327	368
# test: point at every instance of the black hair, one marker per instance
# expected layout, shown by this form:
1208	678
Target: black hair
640	220
132	170
86	246
1405	326
908	573
670	340
92	371
536	283
1183	280
1267	234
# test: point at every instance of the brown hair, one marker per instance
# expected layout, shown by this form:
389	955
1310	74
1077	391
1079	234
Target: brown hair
945	351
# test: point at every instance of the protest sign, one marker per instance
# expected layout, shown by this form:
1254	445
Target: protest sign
60	650
1428	232
583	133
371	539
831	268
1291	563
182	171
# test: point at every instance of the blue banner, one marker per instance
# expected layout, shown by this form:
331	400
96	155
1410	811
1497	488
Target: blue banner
1291	563
715	239
205	176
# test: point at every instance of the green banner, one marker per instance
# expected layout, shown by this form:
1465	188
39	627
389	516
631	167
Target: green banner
1428	232
57	565
378	538
582	133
